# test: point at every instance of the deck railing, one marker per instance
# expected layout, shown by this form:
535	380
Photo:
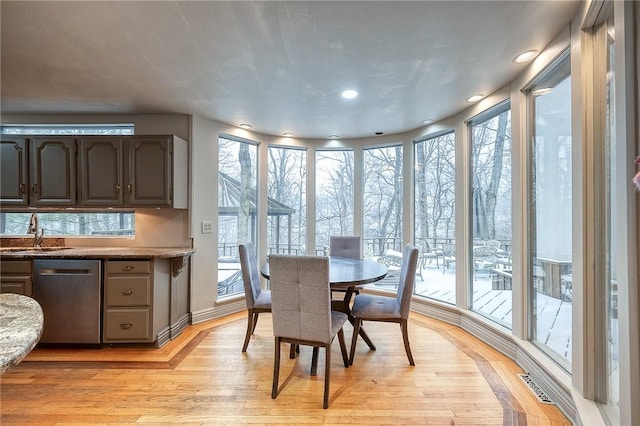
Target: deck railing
372	247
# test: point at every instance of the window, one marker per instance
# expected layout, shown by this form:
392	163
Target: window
383	206
68	129
334	195
491	214
237	189
612	407
551	237
435	221
286	189
64	223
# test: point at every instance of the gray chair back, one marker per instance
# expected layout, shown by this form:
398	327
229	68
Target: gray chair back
345	246
250	274
407	279
300	297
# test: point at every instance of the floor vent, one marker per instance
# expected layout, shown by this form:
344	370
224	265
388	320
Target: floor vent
539	393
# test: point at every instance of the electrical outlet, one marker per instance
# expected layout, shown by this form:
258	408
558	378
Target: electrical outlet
207	227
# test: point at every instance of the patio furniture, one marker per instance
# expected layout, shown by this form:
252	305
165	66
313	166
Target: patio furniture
503	257
258	300
302	312
427	255
484	258
392	259
448	256
367	307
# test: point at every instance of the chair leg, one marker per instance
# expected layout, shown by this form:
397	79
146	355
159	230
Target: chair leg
327	374
255	322
294	350
314	361
250	327
354	339
276	370
405	337
343	348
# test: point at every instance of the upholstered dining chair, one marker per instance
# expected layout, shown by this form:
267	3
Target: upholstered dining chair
345	246
367	307
301	311
258	300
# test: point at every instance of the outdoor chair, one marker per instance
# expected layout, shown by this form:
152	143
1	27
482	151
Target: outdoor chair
427	255
448	256
502	257
302	312
258	300
484	258
367	307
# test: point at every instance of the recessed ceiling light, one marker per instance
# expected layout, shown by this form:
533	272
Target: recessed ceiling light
475	98
349	94
427	121
287	135
525	56
542	91
245	126
334	136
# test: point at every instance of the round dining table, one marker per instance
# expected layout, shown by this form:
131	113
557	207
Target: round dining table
347	274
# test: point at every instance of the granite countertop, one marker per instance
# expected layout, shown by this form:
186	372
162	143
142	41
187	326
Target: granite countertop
95	252
21	322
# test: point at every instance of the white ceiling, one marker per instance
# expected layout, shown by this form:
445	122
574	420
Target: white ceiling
279	66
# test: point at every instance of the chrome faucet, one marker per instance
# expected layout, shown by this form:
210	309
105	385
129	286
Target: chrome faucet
34	228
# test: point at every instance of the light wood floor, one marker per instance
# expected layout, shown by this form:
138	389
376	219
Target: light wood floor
202	377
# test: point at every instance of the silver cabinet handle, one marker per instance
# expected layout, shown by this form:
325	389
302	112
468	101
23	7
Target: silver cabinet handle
128	268
126	325
127	292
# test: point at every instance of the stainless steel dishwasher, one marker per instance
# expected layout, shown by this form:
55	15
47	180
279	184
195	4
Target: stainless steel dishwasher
69	291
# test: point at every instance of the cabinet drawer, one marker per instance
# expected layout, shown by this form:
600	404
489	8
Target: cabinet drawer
128	291
16	284
127	324
16	267
129	267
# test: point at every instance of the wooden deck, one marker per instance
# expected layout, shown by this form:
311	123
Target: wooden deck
553	315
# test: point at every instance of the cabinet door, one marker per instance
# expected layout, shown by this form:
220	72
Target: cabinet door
53	171
101	171
149	171
13	172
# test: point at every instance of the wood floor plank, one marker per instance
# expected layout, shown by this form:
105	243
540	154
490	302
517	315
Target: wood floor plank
203	378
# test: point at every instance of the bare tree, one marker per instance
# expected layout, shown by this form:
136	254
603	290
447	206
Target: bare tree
334	194
383	195
244	158
496	173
